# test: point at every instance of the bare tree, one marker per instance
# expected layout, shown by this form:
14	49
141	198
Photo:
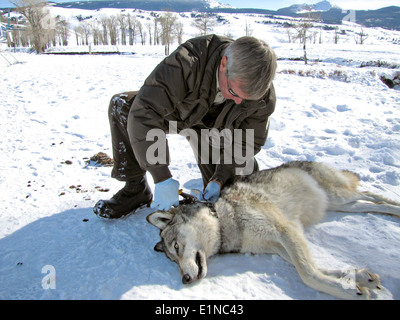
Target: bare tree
78	31
62	32
289	34
15	39
131	29
141	32
96	33
168	25
39	21
149	26
112	25
86	31
248	30
179	32
104	24
302	29
156	36
314	36
204	23
123	23
24	39
362	36
336	38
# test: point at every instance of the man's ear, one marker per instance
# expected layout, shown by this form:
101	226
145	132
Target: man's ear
160	219
224	64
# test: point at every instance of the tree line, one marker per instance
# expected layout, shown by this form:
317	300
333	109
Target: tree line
41	30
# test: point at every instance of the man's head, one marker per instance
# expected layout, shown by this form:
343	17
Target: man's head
247	69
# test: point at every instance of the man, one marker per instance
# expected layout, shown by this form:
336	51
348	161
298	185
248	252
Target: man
210	82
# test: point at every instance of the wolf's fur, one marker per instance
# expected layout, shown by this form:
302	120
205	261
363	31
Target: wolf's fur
266	213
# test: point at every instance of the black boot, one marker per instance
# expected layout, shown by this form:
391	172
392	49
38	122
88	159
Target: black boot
134	195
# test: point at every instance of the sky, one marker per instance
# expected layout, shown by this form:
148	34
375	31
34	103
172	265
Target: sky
274	5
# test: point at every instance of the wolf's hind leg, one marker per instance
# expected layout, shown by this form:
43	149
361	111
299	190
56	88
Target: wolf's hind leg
295	249
372	197
368	207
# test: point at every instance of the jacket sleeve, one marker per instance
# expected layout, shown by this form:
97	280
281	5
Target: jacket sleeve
168	84
259	122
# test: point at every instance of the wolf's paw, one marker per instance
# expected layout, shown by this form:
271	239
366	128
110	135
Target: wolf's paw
367	279
368	284
359	284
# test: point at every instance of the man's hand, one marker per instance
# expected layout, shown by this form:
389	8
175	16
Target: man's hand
212	192
166	195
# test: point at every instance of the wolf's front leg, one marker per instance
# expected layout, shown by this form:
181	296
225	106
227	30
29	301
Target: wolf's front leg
295	249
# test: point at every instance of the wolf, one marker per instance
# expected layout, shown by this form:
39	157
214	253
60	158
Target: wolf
267	212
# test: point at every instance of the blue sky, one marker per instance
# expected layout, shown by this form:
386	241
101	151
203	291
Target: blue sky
273	4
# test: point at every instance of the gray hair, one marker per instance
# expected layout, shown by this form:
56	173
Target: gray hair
254	63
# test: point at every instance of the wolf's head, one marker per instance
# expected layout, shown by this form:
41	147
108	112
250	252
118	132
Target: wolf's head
189	235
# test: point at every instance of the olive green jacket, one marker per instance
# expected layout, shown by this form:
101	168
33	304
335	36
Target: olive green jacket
182	88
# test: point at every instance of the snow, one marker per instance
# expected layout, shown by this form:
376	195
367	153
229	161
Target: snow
216	4
54	117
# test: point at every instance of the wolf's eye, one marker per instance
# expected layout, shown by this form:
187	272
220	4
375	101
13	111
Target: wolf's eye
176	246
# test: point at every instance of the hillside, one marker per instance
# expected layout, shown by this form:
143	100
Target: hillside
150	5
388	18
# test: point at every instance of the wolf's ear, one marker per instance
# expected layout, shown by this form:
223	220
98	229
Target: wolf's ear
159	247
160	219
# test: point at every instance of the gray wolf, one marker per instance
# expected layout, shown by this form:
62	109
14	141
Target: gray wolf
267	212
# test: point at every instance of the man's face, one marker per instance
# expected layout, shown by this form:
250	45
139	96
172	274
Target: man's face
230	89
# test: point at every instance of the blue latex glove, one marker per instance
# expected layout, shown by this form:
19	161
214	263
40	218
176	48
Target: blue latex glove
166	194
212	192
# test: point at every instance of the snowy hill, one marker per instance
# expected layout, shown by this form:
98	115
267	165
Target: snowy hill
300	8
388	18
54	118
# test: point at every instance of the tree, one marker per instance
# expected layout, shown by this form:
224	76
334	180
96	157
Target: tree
78	32
336	38
86	31
141	32
289	34
96	33
204	23
112	25
39	20
123	23
179	32
149	27
104	35
168	25
362	36
131	29
156	36
302	31
303	27
248	30
62	31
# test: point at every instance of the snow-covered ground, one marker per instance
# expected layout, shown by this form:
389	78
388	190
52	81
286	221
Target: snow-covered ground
53	112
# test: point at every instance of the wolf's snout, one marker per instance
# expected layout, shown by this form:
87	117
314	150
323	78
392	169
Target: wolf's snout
187	279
